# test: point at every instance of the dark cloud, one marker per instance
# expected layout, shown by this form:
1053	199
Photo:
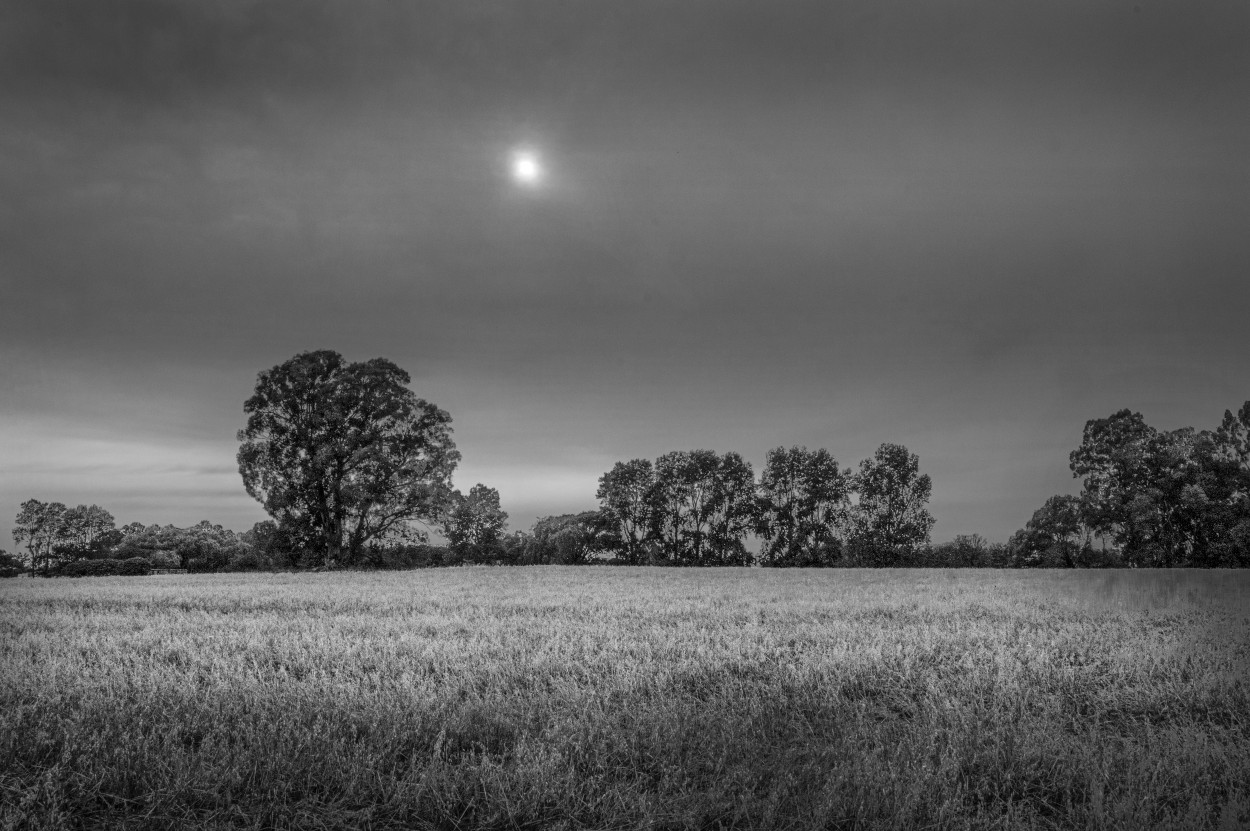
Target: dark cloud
964	226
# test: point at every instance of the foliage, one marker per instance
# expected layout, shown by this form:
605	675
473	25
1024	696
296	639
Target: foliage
345	452
38	525
407	556
10	565
202	547
86	531
568	539
625	499
701	507
1056	536
889	520
1167	498
965	551
803	505
130	567
474	524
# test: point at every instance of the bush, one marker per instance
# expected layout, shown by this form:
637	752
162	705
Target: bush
161	558
132	567
10	566
400	557
246	560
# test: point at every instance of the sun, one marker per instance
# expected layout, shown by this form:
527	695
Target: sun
527	168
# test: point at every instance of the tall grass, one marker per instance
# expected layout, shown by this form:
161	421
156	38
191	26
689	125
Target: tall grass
627	698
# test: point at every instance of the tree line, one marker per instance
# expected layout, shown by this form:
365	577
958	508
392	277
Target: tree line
355	470
1150	498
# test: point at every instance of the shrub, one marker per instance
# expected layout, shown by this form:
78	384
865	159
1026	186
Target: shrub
246	560
162	558
10	566
132	567
399	557
88	568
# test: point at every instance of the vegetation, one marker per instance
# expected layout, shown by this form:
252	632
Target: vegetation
344	453
354	469
1161	499
628	698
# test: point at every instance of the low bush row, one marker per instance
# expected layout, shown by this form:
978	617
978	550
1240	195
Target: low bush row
130	567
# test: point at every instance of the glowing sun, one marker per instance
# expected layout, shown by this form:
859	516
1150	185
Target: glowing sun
527	168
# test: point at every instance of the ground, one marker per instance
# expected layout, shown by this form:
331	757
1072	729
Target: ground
601	697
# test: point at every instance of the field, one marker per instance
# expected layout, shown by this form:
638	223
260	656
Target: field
622	698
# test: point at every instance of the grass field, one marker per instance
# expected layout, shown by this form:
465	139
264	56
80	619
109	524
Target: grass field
605	698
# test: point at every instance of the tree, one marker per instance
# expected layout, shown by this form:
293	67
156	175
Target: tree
344	450
570	539
623	495
889	519
1055	536
202	547
38	525
1144	488
804	499
701	506
86	532
731	512
474	524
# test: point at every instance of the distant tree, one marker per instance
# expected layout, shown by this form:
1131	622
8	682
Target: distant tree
345	451
731	512
1224	503
624	498
87	532
701	506
570	539
202	547
965	551
475	523
1056	535
889	519
1143	488
679	504
804	500
38	526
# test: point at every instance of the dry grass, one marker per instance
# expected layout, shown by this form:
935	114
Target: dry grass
627	698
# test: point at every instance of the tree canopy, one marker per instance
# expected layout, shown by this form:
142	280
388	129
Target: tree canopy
803	508
345	451
890	515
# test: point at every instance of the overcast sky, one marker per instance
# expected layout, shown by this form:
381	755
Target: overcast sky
967	227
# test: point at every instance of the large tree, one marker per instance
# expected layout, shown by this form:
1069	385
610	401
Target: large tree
803	506
889	519
624	493
1144	487
345	450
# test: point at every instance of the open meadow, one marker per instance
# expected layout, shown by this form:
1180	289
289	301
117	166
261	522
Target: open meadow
552	697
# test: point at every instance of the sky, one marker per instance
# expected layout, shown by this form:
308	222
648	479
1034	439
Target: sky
966	227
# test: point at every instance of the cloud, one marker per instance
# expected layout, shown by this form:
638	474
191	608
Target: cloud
798	222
